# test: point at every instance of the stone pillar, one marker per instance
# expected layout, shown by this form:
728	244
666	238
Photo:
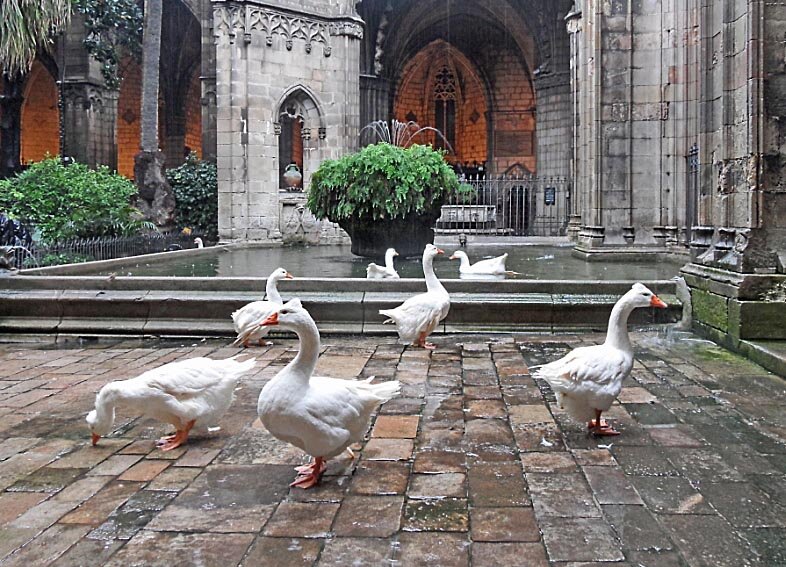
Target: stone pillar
268	57
208	80
90	115
628	113
175	141
10	126
736	276
374	99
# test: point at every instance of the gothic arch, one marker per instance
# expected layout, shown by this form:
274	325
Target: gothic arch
415	93
40	123
299	124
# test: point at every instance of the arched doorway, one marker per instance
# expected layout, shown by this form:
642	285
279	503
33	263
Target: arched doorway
40	116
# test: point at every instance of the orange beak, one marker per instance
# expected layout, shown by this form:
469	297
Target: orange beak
289	276
657	302
440	251
271	320
453	258
95	438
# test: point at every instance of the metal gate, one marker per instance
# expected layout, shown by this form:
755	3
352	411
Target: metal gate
509	206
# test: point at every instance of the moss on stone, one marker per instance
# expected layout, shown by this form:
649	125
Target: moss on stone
710	309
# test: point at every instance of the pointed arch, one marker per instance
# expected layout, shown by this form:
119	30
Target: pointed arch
299	119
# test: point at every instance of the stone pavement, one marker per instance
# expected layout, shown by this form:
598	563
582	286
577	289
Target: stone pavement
473	465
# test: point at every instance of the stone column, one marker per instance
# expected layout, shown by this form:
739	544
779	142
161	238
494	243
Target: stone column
573	26
208	80
175	141
737	280
268	56
90	115
10	126
374	99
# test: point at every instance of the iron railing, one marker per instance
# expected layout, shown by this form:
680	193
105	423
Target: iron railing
509	206
99	248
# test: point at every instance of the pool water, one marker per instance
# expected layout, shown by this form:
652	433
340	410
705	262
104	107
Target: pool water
542	262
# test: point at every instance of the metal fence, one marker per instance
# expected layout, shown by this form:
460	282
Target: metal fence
510	206
100	248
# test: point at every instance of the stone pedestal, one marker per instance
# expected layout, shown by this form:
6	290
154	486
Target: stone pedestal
729	307
591	236
574	227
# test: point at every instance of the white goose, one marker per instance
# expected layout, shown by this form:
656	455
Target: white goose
246	319
322	416
418	316
375	272
198	242
490	266
195	391
588	379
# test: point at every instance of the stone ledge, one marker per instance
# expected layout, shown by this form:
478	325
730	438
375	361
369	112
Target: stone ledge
187	313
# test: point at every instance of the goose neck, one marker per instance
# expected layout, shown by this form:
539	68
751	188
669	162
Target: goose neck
105	409
432	282
306	359
617	333
389	259
271	290
464	259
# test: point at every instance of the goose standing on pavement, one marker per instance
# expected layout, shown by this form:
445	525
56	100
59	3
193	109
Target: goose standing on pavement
418	316
588	379
320	415
186	393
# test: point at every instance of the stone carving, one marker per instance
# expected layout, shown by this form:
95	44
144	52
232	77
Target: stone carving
231	20
86	96
299	226
379	44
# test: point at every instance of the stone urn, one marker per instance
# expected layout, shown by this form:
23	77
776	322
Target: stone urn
408	235
293	179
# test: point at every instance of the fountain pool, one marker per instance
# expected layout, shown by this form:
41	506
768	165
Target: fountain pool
539	262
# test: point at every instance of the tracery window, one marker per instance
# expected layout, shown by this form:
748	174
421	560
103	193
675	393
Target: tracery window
445	106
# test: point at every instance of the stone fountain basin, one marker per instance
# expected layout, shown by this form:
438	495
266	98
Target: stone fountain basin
183	306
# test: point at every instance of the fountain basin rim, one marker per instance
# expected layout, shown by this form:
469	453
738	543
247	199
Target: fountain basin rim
257	284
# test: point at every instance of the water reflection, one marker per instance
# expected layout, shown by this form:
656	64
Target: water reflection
490	277
532	262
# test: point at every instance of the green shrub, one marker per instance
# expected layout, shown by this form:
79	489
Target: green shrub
195	186
382	181
69	201
59	259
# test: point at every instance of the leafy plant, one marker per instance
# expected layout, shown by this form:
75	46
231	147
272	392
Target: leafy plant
58	259
27	26
382	181
112	30
195	186
70	201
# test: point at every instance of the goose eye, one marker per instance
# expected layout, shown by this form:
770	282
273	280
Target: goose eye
284	311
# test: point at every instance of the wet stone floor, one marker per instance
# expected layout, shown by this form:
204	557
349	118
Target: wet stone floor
473	465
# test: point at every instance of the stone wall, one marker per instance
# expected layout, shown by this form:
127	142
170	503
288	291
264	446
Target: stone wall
269	62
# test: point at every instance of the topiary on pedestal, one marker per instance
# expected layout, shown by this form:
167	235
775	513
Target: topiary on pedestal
385	196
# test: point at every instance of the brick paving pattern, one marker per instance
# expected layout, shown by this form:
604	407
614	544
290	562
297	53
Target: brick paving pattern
473	465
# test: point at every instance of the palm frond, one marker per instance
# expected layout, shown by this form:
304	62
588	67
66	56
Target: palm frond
25	27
